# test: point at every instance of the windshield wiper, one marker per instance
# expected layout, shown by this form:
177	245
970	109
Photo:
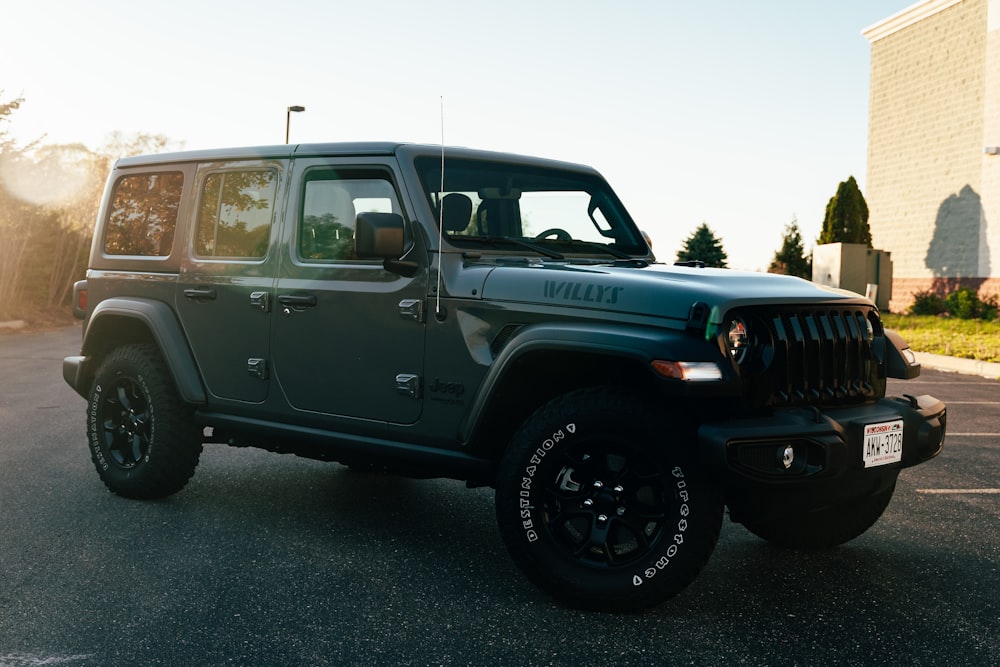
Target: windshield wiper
614	252
494	240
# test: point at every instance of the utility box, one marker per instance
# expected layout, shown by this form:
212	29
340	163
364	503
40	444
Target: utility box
855	267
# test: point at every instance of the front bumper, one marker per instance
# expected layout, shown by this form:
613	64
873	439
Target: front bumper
814	458
77	374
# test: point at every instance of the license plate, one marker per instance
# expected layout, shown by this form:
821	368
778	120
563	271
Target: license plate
883	443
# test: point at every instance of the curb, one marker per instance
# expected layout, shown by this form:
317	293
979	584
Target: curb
939	362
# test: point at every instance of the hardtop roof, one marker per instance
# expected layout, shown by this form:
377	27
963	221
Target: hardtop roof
338	149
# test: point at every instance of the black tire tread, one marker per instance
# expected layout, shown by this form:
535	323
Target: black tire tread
628	406
178	443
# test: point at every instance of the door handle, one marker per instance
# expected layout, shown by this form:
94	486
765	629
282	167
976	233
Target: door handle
297	300
198	293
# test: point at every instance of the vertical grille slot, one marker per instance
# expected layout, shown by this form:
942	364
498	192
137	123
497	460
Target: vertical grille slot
821	356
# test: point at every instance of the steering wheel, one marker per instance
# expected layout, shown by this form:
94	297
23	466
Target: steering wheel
559	234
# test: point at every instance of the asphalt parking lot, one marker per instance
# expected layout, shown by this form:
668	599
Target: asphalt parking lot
267	559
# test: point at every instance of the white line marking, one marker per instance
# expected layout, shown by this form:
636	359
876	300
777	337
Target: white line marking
973	403
31	660
988	492
936	382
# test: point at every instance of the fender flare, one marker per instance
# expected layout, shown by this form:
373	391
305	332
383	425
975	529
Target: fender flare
637	343
901	363
165	328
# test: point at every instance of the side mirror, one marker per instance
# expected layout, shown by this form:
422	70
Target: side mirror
379	236
382	236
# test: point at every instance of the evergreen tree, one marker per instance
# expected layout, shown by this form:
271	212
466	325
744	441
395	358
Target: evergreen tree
791	260
847	216
703	246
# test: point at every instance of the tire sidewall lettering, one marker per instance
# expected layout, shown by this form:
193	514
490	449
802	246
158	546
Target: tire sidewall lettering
530	522
94	419
526	506
93	410
589	495
150	407
677	540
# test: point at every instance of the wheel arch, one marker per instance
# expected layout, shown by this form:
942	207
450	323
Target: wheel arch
541	362
120	321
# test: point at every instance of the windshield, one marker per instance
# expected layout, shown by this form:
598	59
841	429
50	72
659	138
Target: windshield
500	204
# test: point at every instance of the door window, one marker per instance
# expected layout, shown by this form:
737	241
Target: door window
330	204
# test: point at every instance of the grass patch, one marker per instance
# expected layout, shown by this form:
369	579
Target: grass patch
968	339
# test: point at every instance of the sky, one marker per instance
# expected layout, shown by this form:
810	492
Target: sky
741	115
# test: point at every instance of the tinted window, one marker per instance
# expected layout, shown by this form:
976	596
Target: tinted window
490	203
234	218
330	203
144	214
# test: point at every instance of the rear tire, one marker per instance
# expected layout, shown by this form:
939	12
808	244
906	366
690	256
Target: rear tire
601	503
143	439
824	528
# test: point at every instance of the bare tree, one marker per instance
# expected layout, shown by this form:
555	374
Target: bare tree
49	200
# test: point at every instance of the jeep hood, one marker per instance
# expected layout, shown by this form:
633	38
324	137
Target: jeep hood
656	290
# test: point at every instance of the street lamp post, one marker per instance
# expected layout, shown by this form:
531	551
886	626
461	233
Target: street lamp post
288	118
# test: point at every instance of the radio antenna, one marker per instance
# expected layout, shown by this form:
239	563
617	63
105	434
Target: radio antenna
437	291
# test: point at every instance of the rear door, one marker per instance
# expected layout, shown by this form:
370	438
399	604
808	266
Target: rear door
226	285
348	336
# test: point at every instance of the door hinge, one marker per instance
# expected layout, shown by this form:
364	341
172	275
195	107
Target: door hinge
412	309
257	368
408	384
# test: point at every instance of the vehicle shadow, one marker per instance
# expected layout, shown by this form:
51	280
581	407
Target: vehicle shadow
324	547
382	520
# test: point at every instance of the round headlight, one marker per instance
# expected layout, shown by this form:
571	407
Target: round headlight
739	339
870	330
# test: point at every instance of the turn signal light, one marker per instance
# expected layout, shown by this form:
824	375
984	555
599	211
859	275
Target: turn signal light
692	371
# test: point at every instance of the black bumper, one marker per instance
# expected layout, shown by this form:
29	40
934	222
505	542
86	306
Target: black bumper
77	374
814	458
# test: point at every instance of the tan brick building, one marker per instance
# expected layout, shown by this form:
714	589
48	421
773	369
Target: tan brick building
933	186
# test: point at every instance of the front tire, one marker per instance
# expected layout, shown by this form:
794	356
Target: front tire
823	528
601	503
143	439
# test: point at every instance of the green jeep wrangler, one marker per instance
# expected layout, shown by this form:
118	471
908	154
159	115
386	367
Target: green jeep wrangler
489	318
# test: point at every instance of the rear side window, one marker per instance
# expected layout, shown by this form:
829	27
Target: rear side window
143	214
234	218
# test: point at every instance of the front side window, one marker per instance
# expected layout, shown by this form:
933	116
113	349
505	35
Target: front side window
331	201
143	214
234	217
510	205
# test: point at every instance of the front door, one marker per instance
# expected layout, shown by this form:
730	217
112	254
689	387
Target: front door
227	279
347	335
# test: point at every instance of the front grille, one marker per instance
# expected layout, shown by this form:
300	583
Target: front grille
814	356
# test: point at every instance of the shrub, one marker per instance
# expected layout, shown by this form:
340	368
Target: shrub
965	304
927	303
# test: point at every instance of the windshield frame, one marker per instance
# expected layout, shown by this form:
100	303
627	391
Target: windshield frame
504	182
